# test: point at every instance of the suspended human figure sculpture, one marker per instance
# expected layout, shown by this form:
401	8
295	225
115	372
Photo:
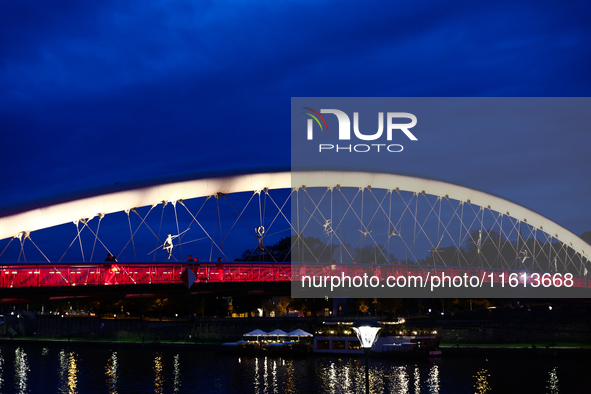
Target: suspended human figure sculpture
168	245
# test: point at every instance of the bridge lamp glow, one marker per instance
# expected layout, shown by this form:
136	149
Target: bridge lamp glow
367	331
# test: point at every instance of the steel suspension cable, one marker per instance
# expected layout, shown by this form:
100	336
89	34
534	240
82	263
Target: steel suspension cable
131	234
43	254
95	238
6	247
143	221
80	240
178	231
22	251
205	231
160	228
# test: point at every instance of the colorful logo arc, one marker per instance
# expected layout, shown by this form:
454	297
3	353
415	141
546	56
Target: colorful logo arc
316	119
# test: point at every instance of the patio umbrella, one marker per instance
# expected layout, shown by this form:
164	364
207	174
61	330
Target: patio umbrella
256	333
277	333
299	333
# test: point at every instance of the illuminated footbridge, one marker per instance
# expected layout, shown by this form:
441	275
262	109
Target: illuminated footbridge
279	227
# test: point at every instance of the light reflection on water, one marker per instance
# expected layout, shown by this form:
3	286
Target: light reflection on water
335	375
275	388
348	376
553	382
433	380
256	383
111	370
79	369
400	380
1	371
177	373
290	376
159	374
21	370
482	385
68	371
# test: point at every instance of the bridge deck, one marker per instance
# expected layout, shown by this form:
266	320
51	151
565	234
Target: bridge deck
45	275
105	274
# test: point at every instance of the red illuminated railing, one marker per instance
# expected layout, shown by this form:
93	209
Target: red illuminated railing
46	275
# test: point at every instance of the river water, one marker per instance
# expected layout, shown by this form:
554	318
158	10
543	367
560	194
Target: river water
77	368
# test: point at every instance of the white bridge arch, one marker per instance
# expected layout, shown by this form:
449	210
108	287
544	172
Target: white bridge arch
21	224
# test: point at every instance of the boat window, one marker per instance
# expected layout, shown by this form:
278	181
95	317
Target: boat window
321	344
338	344
354	345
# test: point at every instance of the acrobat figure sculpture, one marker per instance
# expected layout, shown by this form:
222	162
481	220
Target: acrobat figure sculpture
327	226
168	245
260	232
365	233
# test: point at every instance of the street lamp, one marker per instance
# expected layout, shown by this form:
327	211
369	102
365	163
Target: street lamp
367	332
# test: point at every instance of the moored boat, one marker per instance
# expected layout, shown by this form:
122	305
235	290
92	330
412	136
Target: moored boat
414	345
394	340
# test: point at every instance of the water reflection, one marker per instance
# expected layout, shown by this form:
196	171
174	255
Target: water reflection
177	374
337	376
482	385
1	371
111	370
265	376
290	377
21	368
159	374
332	377
26	368
552	383
400	380
347	380
433	380
377	377
68	371
274	380
256	375
348	376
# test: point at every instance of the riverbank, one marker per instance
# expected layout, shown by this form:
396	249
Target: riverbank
485	334
448	350
521	350
114	342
